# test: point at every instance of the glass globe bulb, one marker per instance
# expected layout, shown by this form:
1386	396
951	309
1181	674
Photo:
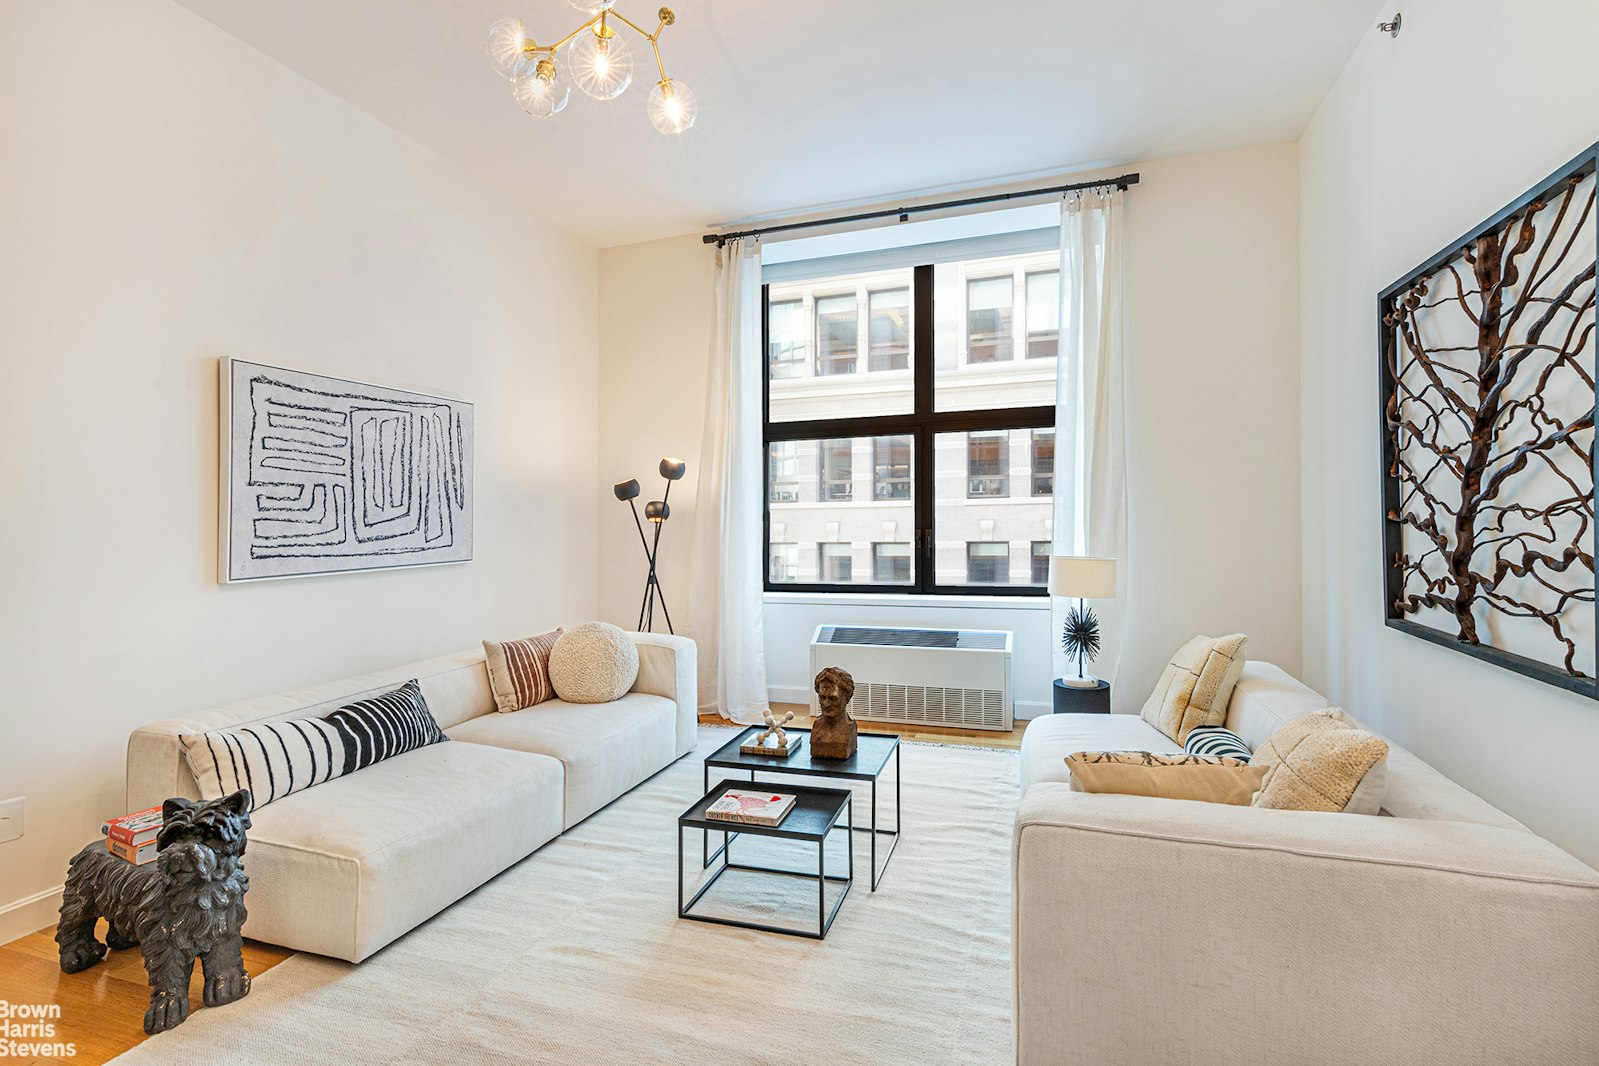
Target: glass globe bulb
672	107
602	66
592	7
505	46
538	86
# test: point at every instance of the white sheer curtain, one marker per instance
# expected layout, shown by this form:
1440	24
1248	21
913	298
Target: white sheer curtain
725	602
1090	448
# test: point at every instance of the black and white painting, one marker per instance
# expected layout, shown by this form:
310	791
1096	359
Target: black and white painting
322	475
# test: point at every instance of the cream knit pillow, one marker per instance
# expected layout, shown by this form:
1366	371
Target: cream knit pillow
1196	685
593	663
1322	762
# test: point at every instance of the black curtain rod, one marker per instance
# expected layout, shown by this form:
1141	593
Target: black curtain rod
904	213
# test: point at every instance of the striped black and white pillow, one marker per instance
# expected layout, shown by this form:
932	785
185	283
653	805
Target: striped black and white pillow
1214	740
276	759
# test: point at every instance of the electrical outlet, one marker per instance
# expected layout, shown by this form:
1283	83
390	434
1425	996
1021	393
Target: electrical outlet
11	818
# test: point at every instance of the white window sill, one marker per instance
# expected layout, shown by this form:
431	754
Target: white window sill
910	602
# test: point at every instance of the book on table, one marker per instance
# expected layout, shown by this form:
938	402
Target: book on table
133	836
138	855
751	807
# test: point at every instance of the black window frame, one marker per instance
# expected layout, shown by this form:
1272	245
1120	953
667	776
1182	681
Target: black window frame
923	423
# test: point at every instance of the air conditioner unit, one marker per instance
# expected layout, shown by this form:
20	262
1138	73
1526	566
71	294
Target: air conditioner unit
942	677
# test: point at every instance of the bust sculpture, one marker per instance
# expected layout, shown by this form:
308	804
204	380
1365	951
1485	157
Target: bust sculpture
833	733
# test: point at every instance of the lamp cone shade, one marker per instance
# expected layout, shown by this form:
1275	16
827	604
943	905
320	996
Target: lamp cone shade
1086	577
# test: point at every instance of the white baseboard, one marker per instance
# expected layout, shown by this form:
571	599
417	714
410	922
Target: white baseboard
797	694
1033	709
30	914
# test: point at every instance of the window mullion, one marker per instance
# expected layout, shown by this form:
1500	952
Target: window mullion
922	388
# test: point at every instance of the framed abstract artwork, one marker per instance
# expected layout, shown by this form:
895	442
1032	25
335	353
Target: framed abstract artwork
1487	382
321	475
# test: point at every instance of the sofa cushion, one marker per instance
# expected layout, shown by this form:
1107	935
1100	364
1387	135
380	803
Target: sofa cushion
1267	698
1216	740
519	670
606	748
1050	739
1207	778
1196	685
593	663
1321	762
344	868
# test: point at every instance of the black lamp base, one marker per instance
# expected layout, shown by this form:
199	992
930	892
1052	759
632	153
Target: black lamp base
1072	700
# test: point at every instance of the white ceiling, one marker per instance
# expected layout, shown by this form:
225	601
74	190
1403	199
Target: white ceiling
828	102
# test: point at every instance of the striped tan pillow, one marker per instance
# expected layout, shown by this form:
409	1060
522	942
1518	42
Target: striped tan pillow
519	670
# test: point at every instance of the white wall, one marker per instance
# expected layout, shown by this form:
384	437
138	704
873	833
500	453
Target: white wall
171	195
1421	138
1213	383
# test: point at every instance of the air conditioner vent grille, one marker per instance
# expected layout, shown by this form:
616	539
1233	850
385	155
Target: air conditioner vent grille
885	637
929	705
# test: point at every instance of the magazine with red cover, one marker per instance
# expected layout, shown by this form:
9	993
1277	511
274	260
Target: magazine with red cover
751	807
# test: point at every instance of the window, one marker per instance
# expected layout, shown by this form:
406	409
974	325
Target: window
1043	462
894	464
987	562
1041	549
1043	314
891	564
889	330
988	314
837	479
783	564
837	335
785	348
891	468
987	464
835	562
782	477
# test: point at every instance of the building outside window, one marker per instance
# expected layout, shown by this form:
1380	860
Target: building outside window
1043	314
987	562
836	562
1041	549
988	464
787	333
783	568
891	468
837	469
1043	462
837	334
989	306
783	472
891	563
889	330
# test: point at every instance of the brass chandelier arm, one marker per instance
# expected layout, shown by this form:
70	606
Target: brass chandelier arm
667	18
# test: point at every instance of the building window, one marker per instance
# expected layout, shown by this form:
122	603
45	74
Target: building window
837	335
835	563
891	440
989	305
891	564
988	464
1043	314
783	472
837	466
783	564
1043	462
987	562
1041	549
785	349
891	468
889	330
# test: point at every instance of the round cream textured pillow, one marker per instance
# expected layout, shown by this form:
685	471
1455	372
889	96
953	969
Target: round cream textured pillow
593	663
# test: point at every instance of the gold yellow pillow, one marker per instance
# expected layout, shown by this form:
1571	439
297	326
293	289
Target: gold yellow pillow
1211	778
1323	762
1196	685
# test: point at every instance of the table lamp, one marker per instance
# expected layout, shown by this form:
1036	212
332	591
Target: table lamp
1085	577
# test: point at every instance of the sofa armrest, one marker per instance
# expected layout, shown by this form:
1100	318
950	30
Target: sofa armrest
667	667
1149	930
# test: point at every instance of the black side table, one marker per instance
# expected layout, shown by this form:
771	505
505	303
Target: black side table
1069	700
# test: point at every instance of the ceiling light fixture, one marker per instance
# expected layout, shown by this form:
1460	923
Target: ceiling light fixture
599	60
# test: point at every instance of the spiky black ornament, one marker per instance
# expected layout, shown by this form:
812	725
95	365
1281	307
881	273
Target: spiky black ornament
1079	635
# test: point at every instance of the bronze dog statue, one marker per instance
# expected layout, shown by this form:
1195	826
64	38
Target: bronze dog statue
187	904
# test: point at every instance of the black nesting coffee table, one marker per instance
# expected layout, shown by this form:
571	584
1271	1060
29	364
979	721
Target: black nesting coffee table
815	814
872	754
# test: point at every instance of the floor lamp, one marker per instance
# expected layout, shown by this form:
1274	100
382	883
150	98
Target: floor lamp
656	512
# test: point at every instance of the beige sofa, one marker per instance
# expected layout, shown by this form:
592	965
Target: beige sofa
345	867
1172	931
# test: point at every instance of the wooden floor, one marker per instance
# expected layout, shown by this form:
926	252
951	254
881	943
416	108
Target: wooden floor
102	1009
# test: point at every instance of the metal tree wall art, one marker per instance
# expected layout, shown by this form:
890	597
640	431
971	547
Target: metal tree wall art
1488	371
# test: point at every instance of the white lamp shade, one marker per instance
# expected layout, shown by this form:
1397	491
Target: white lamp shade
1084	576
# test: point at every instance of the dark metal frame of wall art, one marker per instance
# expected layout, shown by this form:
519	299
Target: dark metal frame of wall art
1462	434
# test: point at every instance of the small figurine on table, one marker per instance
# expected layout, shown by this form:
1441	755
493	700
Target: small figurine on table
833	733
781	743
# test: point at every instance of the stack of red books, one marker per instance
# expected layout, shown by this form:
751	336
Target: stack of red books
132	836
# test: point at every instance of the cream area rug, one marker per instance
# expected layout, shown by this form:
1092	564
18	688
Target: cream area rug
576	954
